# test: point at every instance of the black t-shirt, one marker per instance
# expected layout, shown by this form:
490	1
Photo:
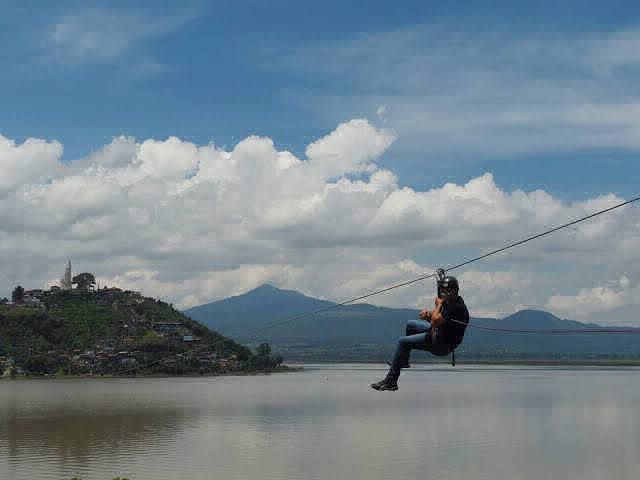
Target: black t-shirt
453	331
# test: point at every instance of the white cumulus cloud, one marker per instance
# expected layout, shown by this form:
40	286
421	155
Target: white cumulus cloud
597	300
34	159
194	223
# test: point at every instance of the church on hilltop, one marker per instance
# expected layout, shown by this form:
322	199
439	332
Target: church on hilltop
83	284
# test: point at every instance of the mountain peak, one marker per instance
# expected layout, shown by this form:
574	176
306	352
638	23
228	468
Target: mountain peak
270	290
539	319
265	301
528	313
265	287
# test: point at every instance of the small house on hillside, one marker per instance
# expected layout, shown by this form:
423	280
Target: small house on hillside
167	327
111	291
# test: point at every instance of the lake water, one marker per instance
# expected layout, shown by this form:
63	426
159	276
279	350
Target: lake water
327	423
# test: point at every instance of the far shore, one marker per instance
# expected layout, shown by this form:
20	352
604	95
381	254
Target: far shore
298	366
612	362
282	369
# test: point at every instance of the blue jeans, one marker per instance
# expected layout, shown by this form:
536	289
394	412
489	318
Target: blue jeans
417	336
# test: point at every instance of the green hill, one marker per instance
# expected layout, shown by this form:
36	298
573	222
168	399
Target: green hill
106	332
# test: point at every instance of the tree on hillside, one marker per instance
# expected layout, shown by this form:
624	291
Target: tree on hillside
262	359
85	281
264	350
17	293
4	301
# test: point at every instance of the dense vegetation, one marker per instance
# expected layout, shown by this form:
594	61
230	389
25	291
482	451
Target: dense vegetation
94	334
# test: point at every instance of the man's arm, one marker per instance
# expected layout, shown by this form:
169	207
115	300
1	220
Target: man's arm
425	314
436	316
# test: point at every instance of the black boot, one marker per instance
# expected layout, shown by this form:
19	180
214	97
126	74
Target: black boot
385	385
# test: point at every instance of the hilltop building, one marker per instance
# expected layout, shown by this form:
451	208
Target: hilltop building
83	284
65	281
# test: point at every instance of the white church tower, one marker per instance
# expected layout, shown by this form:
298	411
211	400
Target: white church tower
65	282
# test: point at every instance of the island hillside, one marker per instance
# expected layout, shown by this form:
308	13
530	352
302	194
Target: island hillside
82	331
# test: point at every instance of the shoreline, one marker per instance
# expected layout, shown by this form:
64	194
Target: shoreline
300	367
542	362
286	369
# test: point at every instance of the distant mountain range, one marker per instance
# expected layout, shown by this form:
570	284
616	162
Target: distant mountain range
366	332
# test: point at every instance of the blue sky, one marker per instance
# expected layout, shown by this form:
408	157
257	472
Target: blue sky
538	95
219	71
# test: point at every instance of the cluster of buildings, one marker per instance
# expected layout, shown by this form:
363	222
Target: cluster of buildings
38	297
109	360
167	329
85	286
108	357
8	367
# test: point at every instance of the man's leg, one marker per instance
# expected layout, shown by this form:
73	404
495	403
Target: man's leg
416	326
401	358
403	352
412	327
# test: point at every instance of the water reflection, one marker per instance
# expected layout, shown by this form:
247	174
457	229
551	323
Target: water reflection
58	429
326	423
71	438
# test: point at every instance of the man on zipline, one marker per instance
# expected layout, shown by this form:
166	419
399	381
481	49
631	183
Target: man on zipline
439	334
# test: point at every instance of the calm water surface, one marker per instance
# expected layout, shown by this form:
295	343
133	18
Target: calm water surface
326	423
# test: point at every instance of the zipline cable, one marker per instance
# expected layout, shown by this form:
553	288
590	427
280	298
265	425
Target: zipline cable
566	225
552	331
399	285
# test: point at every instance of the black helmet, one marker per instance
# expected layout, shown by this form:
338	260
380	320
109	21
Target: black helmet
448	282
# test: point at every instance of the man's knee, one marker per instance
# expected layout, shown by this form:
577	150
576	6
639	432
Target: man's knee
411	327
408	327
